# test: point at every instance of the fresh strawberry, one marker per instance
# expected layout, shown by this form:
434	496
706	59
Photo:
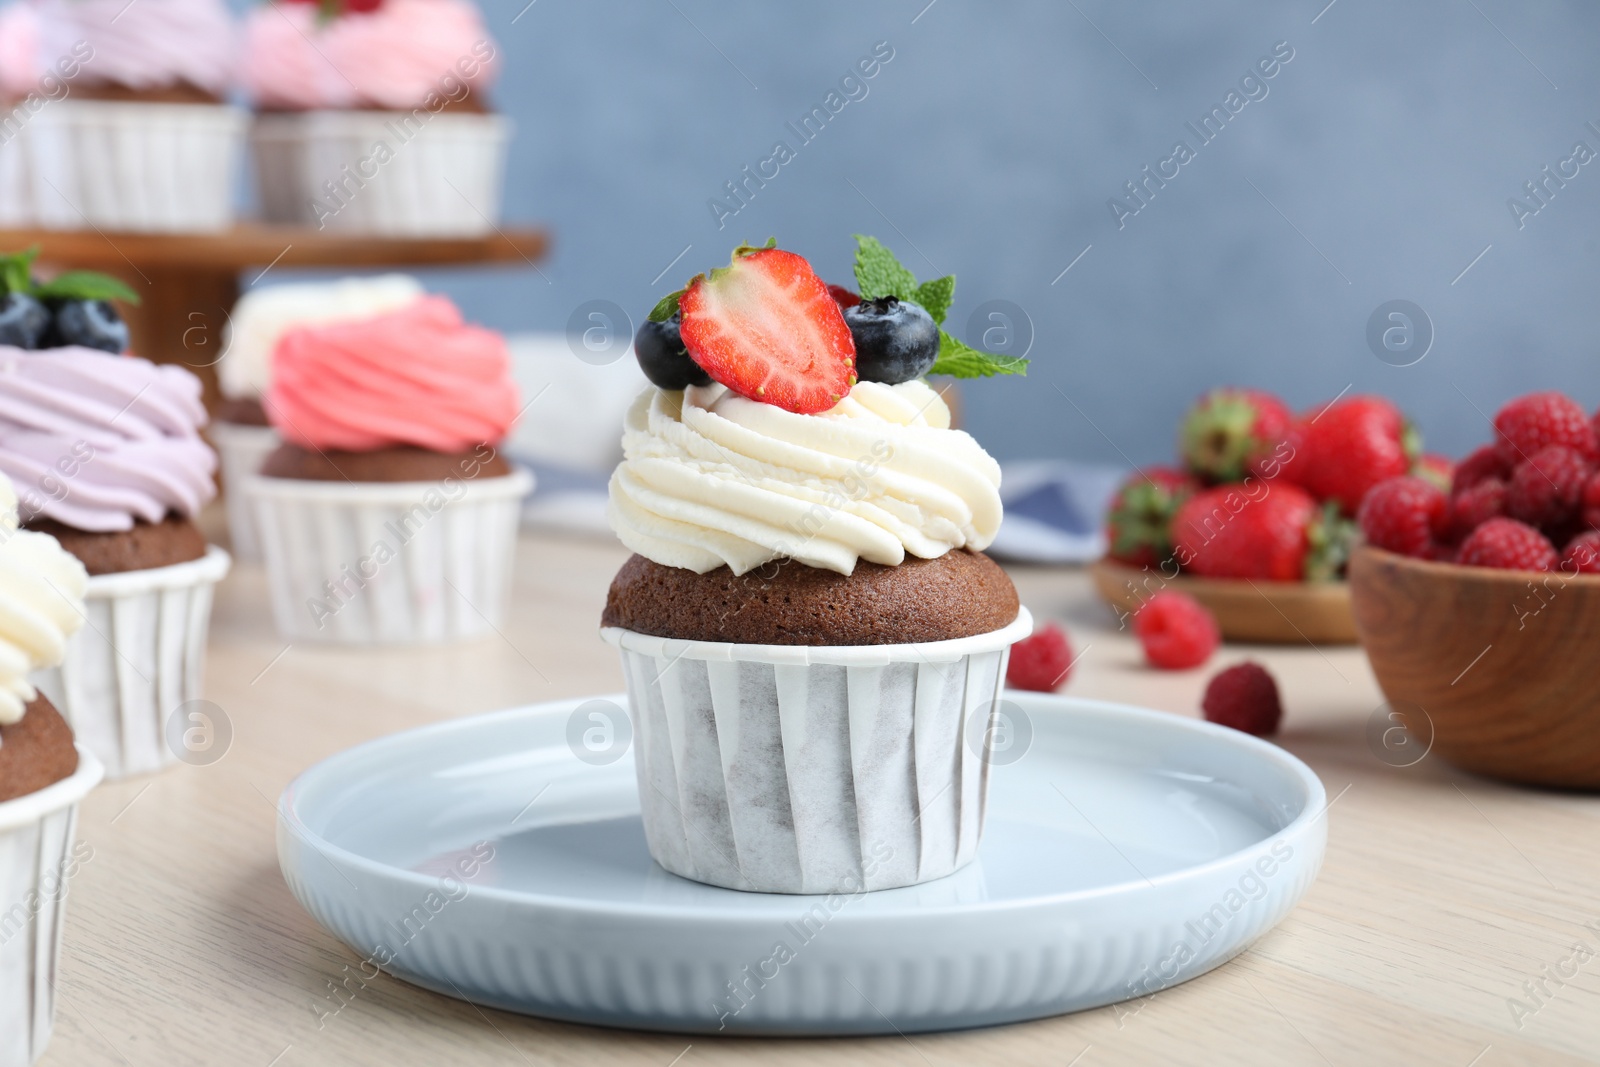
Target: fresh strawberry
843	297
1435	470
766	327
1591	503
1041	662
1405	515
1350	446
1482	465
1281	535
1139	522
1547	489
1244	697
1582	554
1471	508
1534	422
1507	544
1176	631
1228	431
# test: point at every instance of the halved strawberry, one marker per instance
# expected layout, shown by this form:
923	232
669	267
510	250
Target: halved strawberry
766	327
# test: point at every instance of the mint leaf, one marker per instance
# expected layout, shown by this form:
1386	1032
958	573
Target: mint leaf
960	360
85	285
935	296
666	307
878	273
16	271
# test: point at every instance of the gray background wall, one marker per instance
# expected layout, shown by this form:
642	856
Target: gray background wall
1377	167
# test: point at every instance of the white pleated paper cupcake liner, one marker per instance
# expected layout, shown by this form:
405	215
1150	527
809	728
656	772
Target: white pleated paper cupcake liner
36	860
242	450
139	656
802	769
16	188
389	562
386	172
134	166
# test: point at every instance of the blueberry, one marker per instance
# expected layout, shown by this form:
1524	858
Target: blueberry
90	323
22	320
658	346
896	340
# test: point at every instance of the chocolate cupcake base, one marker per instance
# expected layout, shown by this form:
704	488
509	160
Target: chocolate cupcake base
36	752
175	539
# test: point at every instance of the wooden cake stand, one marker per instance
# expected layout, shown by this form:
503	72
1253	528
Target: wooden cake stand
189	283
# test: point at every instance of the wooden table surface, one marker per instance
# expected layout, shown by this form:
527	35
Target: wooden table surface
1441	895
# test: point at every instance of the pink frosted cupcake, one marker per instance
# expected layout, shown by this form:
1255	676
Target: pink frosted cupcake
374	120
389	515
144	138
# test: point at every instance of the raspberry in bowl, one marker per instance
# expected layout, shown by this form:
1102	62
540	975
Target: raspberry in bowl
809	583
1479	612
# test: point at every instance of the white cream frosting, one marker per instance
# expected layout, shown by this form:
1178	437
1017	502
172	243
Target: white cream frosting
262	316
711	478
41	605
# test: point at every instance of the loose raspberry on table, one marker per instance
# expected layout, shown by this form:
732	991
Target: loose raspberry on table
1244	697
1176	631
1040	663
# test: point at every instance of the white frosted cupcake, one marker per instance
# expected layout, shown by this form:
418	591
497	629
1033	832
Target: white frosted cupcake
809	627
144	138
42	778
241	431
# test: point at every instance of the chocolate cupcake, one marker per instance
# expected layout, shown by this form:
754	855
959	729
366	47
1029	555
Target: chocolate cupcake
813	640
106	454
43	775
241	431
388	514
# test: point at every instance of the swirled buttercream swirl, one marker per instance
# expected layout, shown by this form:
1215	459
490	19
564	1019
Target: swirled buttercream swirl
711	478
41	605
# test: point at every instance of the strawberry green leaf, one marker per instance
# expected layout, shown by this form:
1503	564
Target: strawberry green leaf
960	360
935	296
85	285
666	307
878	273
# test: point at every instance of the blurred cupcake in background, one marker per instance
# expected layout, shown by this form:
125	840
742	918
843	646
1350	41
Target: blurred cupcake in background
20	74
106	455
371	115
241	431
145	140
388	515
43	775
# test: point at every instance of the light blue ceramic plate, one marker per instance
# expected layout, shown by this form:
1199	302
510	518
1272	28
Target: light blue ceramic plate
1125	851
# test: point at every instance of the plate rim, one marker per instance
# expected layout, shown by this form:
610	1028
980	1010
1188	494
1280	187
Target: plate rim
1314	807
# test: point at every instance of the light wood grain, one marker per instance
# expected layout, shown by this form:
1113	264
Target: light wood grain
1500	666
1277	613
1441	893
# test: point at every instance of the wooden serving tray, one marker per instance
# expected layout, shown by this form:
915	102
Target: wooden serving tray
1280	613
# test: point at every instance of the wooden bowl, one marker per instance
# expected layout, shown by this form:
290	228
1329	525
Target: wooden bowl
1502	663
1278	613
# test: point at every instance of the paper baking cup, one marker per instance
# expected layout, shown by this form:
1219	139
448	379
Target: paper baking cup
812	769
37	858
140	167
16	182
389	562
385	172
242	450
138	658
